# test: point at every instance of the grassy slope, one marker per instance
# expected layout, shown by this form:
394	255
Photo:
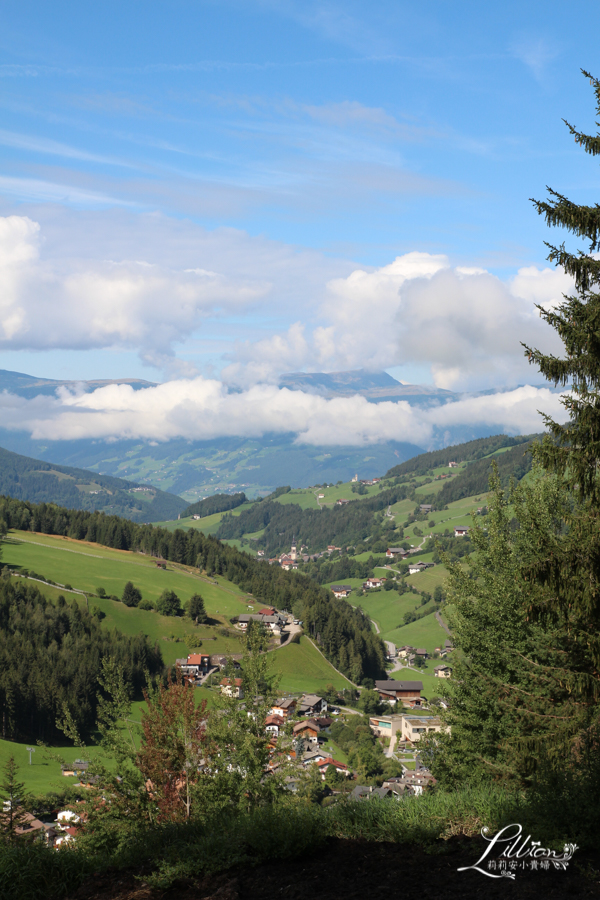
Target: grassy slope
302	668
88	566
426	632
387	608
44	774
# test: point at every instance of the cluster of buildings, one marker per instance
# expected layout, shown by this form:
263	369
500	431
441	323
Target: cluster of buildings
411	654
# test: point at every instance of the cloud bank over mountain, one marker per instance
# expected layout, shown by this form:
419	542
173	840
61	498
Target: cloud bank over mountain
202	409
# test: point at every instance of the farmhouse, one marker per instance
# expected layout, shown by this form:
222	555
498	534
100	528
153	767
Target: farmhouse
415	568
460	532
79	767
308	729
395	551
425	507
284	707
324	764
452	465
312	705
195	664
407	692
341	590
442	672
271	622
274	725
341	502
373	583
232	687
312	756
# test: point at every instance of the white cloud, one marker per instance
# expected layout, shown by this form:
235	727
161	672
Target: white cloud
94	303
464	323
298	309
201	409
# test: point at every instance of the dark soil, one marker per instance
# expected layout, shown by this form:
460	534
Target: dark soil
356	870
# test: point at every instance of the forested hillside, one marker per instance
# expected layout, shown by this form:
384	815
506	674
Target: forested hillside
50	657
514	463
216	504
424	462
41	482
316	528
343	632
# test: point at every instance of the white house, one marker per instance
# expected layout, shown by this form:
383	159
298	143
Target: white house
415	568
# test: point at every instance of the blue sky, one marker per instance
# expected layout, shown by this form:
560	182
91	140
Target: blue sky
222	189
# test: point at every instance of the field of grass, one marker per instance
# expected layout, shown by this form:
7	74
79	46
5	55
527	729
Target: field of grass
88	566
426	632
306	499
387	608
302	668
44	774
429	579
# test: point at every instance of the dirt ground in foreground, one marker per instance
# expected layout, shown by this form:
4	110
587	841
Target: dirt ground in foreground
349	870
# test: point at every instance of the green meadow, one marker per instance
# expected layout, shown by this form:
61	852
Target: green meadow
87	567
303	668
425	632
44	774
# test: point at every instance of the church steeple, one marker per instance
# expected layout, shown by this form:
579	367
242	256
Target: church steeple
293	552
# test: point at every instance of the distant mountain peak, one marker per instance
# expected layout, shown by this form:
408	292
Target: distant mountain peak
31	386
374	386
355	380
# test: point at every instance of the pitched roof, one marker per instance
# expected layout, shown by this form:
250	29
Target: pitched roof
311	698
399	685
274	720
195	659
330	761
307	723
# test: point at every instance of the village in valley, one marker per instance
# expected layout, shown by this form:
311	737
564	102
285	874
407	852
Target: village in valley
329	738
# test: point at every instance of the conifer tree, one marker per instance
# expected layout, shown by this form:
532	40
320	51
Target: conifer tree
575	453
572	571
14	800
196	609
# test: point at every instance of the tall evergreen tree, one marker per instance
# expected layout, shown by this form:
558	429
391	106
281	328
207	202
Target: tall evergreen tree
572	571
14	799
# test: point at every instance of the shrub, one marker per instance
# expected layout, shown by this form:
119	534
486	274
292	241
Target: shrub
145	604
169	604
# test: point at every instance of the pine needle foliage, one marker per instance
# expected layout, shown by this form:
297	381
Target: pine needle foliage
517	691
570	573
576	449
